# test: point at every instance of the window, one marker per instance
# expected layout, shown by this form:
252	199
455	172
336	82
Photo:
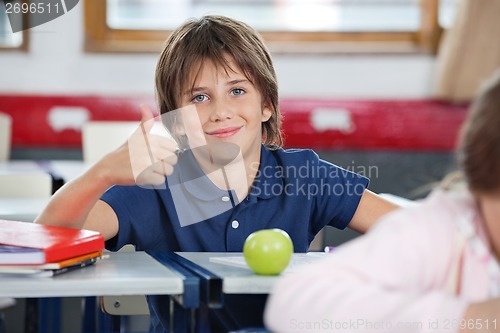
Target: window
10	41
287	25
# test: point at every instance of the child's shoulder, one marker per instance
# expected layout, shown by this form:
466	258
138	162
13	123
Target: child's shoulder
453	202
438	211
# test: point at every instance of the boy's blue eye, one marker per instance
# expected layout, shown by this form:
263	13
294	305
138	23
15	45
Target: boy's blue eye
199	98
237	92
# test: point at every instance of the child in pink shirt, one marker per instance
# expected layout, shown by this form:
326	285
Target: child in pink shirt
430	267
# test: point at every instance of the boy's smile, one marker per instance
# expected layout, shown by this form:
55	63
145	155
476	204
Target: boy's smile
230	108
225	132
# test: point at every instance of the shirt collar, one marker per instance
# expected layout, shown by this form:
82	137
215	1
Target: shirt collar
188	174
268	182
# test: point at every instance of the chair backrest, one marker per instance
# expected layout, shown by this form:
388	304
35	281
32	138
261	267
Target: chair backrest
25	185
102	137
5	136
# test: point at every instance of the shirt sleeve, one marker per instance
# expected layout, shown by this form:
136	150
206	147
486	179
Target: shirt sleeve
389	280
338	193
131	204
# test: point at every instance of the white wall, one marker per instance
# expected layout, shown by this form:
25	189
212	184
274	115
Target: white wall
56	64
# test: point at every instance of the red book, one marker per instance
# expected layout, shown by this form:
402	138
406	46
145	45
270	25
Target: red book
32	243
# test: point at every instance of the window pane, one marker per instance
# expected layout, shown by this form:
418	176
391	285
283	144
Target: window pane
8	39
269	15
447	9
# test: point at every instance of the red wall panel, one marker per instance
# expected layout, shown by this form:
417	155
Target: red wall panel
378	124
54	121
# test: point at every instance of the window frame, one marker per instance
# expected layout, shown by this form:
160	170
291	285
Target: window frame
24	47
99	37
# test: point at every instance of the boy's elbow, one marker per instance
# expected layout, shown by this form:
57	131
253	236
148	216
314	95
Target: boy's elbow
370	209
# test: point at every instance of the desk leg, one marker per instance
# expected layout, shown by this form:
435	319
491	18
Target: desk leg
49	315
190	320
31	315
171	311
181	319
43	315
225	319
89	314
109	323
95	316
192	325
2	323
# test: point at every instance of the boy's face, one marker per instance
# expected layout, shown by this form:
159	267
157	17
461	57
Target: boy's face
229	107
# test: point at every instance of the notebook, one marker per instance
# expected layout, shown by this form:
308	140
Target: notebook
297	261
23	243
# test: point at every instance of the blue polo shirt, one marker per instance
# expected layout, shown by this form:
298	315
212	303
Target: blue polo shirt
294	190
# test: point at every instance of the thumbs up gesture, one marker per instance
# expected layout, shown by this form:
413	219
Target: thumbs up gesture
145	159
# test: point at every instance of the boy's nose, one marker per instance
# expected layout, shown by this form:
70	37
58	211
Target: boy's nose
220	112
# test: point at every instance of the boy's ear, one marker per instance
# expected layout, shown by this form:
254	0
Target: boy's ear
267	112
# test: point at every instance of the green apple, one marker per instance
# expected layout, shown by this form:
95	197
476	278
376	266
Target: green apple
268	251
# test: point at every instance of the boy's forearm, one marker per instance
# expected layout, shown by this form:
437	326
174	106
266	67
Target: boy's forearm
71	204
371	207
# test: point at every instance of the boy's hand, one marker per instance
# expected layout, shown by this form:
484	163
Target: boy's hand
145	159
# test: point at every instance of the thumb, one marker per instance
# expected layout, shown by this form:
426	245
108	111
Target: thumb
147	118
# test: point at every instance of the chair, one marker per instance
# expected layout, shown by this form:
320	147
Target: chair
26	185
24	194
102	137
5	136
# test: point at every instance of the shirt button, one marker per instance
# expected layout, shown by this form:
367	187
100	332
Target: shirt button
235	224
225	199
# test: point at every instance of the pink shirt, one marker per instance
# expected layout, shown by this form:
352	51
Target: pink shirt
415	271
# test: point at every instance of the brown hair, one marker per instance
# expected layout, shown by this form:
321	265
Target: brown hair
479	145
213	38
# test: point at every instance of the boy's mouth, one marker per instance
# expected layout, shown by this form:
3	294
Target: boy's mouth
225	132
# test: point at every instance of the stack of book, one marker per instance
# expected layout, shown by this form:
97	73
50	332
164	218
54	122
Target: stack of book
31	249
